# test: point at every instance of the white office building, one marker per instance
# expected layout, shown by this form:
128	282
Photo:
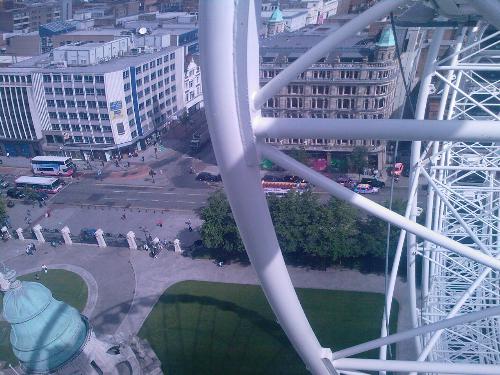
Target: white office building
90	99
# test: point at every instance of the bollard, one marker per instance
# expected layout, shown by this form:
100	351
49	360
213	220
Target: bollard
177	246
131	240
38	233
65	233
20	235
100	239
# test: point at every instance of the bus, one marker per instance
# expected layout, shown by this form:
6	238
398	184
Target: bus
49	185
282	188
53	166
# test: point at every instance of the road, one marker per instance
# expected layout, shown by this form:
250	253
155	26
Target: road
130	196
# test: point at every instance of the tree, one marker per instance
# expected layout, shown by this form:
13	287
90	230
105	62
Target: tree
219	230
300	155
3	211
358	159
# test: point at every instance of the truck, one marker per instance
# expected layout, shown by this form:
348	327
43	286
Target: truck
199	139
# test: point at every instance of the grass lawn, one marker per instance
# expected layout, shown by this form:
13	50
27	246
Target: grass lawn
207	328
65	286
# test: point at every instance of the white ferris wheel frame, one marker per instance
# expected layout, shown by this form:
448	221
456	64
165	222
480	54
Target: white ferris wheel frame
229	50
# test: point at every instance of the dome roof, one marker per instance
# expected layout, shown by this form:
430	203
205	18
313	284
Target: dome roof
386	38
46	333
276	16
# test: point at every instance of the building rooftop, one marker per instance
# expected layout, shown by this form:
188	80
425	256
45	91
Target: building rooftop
44	63
56	27
286	47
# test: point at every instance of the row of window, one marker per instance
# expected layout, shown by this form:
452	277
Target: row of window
79	115
156	74
87	78
78	139
322	141
167	80
81	128
324	103
79	91
152	64
340	115
332	74
15	79
341	90
76	104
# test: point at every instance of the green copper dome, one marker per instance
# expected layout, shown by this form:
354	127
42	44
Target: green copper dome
46	333
386	38
276	16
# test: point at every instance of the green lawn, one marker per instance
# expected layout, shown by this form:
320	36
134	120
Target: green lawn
215	328
65	286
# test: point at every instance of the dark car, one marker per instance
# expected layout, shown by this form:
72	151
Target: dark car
88	234
15	193
294	179
209	177
271	178
373	182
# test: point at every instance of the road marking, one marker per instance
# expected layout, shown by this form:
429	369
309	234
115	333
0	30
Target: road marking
131	186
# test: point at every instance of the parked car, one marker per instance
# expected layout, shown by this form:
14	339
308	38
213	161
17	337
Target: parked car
272	178
365	189
87	234
209	177
373	182
294	179
346	181
4	184
15	193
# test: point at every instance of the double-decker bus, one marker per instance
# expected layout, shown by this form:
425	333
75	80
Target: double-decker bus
53	166
49	185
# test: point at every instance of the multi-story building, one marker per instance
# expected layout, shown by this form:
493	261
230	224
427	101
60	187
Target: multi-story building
355	80
27	17
193	95
317	10
93	99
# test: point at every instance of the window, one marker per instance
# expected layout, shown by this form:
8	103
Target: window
347	90
47	78
65	127
138	69
321	90
78	91
83	115
145	67
78	138
89	91
165	58
368	90
159	72
294	102
53	115
50	103
153	75
99	139
88	79
152	64
104	116
77	78
120	128
295	89
66	78
130	111
94	116
63	115
99	79
58	91
349	74
128	99
106	129
131	123
140	94
88	139
75	128
102	104
319	103
92	104
272	103
366	104
68	91
56	78
345	103
48	91
101	92
322	74
147	91
158	61
96	128
379	103
73	116
126	87
172	78
125	74
381	90
109	140
172	56
146	79
60	103
80	103
139	82
56	127
86	128
148	102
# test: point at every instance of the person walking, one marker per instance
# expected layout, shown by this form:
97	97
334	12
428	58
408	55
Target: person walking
44	268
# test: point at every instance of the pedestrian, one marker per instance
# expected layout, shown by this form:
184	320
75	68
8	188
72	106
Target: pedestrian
102	163
128	164
124	217
44	268
8	154
116	163
190	228
142	157
37	276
